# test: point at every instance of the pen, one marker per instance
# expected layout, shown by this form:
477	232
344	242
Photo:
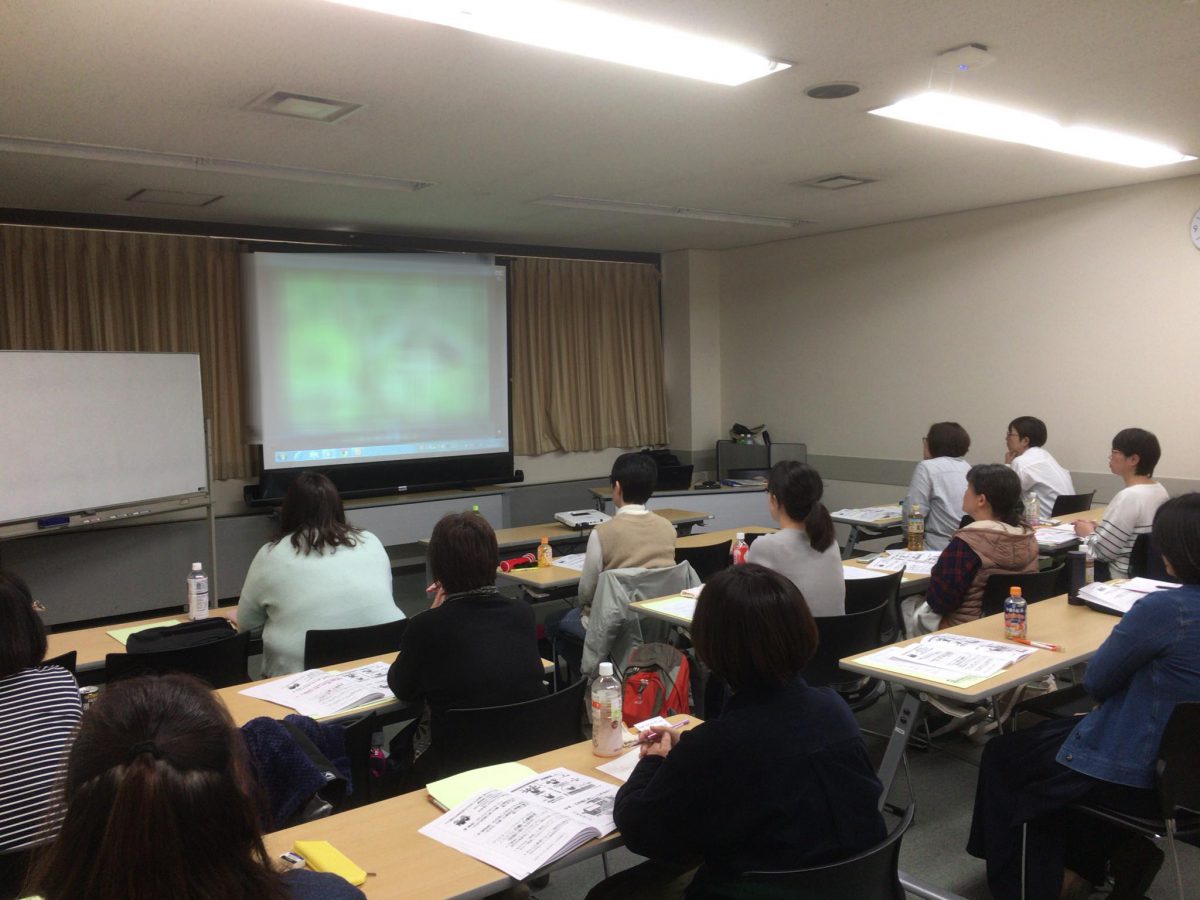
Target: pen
1040	644
651	737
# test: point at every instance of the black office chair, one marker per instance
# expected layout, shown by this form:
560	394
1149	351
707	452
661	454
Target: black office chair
707	560
863	594
469	738
1035	586
1065	504
874	873
1145	560
330	646
66	661
363	789
842	636
221	663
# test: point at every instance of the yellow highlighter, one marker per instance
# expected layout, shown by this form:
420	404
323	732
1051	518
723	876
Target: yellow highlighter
322	856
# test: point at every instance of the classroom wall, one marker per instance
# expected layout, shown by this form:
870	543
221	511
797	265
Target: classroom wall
1082	310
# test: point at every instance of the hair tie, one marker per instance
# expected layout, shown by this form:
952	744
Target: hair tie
145	747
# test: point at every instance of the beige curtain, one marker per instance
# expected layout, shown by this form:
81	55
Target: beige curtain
104	290
587	356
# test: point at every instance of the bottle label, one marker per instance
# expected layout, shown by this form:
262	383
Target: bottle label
1014	619
916	533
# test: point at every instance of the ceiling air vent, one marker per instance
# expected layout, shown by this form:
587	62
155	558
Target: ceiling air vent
303	106
172	198
836	182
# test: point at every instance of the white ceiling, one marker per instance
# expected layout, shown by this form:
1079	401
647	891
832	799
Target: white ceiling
496	125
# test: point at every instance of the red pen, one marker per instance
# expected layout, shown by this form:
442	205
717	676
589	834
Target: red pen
653	737
1042	645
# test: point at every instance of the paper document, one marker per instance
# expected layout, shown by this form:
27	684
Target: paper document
1060	536
450	792
316	693
692	592
951	659
573	561
869	514
1119	597
850	573
521	829
914	562
680	607
622	766
121	635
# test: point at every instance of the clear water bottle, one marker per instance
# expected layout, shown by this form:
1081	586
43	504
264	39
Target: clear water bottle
914	528
1033	515
738	549
608	733
197	593
545	553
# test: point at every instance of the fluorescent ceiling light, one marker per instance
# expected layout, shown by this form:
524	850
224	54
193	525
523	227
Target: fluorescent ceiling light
1003	123
102	153
576	29
678	212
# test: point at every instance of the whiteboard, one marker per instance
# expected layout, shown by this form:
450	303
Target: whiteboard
83	431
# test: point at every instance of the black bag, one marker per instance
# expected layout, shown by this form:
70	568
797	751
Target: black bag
180	637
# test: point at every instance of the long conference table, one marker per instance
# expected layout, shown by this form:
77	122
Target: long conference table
383	838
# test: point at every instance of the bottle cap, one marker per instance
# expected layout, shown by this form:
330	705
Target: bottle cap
1014	591
545	539
605	669
741	535
196	567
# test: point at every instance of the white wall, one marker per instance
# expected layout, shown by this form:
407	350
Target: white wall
1082	310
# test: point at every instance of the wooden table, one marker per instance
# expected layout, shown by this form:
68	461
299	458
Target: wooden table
93	644
1078	630
383	838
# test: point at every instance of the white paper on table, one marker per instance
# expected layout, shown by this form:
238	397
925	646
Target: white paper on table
573	561
914	562
851	573
951	658
622	767
1148	585
588	799
692	592
869	513
683	607
316	693
372	676
1056	537
1121	597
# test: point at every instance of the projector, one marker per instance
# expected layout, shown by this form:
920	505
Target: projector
582	518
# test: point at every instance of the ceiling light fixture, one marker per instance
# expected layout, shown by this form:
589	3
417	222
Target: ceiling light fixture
677	212
570	28
1003	123
102	153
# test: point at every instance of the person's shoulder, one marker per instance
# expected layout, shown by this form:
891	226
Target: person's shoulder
304	884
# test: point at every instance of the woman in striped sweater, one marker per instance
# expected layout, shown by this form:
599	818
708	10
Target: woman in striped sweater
39	712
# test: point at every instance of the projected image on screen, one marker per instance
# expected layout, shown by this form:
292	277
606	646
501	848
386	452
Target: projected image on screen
363	359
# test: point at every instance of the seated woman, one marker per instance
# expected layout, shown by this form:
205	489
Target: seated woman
319	573
996	542
473	647
39	712
157	805
805	549
781	780
1135	453
938	482
1150	662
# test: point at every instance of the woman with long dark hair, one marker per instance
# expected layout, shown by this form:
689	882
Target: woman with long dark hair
805	549
320	572
157	805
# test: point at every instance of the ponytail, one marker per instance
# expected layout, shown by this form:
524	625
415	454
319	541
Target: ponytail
819	526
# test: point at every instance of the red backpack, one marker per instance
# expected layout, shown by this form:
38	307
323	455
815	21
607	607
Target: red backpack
656	683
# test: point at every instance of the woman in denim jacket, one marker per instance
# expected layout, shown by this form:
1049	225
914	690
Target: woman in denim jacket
1150	662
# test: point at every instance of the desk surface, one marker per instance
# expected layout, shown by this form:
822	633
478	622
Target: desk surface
528	535
1078	630
605	493
93	644
382	838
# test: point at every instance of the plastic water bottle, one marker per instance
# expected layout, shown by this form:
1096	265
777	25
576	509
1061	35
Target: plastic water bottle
608	735
197	593
914	529
738	549
1032	512
545	553
1014	614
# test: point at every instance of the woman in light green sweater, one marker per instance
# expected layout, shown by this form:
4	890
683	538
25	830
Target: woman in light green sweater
319	573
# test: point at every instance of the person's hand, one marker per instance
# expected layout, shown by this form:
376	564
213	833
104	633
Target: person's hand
661	745
438	593
1009	457
1084	527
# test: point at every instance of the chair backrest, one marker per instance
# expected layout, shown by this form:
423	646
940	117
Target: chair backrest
1176	772
469	738
221	663
842	636
358	749
1145	559
1065	504
614	628
1034	586
66	661
867	593
327	647
707	560
873	873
